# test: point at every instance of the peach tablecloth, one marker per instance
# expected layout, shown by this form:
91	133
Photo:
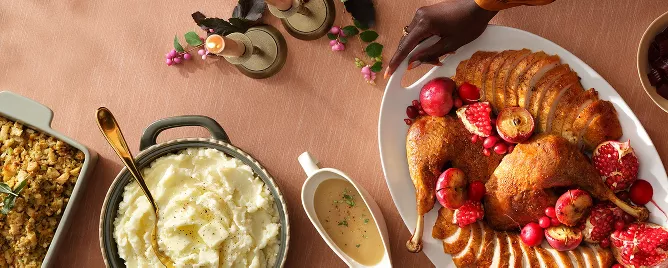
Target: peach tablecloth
77	55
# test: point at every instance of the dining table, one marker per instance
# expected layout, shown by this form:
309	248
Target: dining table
76	55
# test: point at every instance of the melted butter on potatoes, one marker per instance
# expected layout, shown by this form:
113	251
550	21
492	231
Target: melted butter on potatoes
215	212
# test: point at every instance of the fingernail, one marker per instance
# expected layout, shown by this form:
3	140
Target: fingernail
414	64
387	73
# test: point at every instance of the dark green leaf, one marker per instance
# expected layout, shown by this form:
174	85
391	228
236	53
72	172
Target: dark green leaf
198	17
222	27
8	204
19	188
251	10
4	188
360	25
193	39
343	40
377	67
374	50
350	30
177	46
331	36
237	22
362	10
369	36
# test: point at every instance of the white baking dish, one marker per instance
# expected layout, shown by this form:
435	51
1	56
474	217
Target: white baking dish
37	116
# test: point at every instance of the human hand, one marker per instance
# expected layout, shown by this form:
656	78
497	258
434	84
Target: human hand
457	22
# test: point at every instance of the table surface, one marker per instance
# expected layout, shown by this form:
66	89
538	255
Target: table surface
75	56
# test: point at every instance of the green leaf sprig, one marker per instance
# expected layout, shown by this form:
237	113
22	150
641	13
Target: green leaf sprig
10	198
372	49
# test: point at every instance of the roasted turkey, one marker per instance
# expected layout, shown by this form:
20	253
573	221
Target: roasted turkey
530	179
478	245
551	91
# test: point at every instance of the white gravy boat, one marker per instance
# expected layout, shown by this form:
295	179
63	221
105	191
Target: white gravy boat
316	176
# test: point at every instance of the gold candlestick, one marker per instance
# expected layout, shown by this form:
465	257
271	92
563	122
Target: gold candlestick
258	53
306	20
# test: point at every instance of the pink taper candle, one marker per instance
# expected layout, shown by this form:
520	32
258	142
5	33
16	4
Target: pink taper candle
221	45
282	5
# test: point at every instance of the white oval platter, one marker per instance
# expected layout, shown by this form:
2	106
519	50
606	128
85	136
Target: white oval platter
392	129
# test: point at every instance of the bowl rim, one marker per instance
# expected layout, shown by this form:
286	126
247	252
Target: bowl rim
642	61
146	157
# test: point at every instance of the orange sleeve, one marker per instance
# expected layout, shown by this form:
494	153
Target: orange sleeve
496	5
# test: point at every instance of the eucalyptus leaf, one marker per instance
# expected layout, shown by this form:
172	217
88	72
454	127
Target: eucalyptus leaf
350	30
4	188
377	67
177	46
192	38
331	36
374	50
360	25
369	36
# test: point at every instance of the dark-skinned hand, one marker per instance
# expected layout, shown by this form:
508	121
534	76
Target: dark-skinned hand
457	22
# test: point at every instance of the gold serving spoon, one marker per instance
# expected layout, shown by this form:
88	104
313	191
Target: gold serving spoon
111	131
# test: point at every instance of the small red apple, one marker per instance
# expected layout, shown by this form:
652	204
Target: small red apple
451	188
563	238
436	96
572	206
515	124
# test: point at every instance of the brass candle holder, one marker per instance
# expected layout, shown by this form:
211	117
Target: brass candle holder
258	53
304	19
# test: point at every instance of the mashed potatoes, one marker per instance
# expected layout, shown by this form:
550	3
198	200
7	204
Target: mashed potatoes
214	212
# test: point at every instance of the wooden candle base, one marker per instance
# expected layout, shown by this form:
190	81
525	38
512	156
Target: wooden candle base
307	21
265	54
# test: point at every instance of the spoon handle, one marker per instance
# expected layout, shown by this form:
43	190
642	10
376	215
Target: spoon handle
112	132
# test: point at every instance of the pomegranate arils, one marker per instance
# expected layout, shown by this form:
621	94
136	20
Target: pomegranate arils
416	103
489	142
412	112
476	118
468	213
474	138
408	121
476	191
641	244
617	164
605	243
486	152
599	223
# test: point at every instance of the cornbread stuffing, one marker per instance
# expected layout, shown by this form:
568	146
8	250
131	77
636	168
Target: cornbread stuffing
51	168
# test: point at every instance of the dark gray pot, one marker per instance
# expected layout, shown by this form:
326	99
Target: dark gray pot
151	151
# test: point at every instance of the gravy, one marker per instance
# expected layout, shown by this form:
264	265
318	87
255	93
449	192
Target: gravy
348	222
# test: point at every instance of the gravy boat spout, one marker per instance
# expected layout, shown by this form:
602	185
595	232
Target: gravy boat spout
316	176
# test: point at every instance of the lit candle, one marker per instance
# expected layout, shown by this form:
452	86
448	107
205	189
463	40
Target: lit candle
221	45
282	5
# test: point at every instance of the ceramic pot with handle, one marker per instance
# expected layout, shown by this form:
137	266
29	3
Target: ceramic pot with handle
151	150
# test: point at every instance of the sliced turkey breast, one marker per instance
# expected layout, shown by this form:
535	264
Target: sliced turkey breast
574	110
567	93
488	246
604	257
545	258
505	255
528	82
492	72
546	83
515	77
517	255
481	71
543	107
589	257
519	60
468	256
577	258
